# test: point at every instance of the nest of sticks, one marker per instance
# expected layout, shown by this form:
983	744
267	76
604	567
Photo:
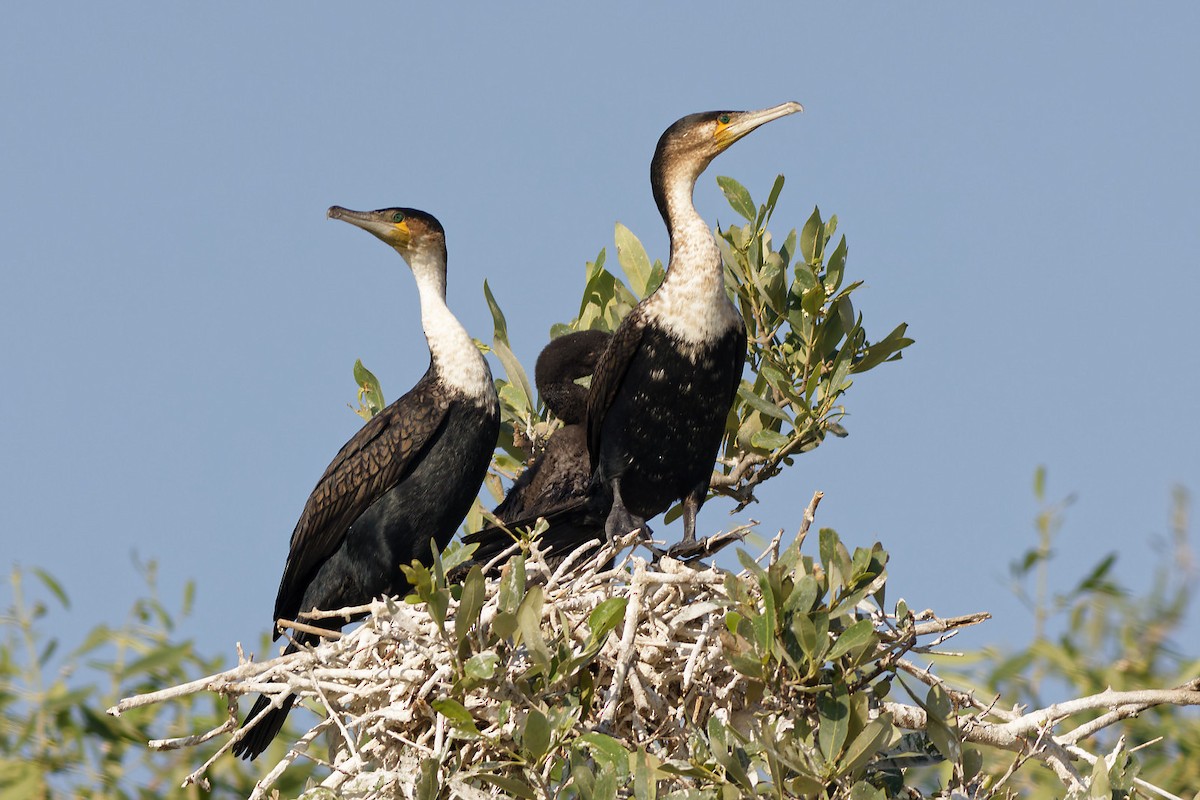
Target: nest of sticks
659	672
656	674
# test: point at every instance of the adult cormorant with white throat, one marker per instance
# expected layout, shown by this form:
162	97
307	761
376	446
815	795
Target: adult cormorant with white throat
662	390
407	477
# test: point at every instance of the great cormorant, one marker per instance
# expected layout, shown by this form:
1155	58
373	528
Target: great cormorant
407	477
563	470
662	390
560	477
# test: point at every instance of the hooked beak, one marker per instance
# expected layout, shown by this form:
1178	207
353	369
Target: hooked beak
744	122
394	234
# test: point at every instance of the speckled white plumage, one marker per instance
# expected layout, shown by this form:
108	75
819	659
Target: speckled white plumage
691	303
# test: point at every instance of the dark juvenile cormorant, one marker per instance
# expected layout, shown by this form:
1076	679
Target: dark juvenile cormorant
408	476
561	475
563	470
662	390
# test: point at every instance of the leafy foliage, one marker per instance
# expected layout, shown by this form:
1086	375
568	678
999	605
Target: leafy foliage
815	693
805	341
1099	634
810	664
56	740
370	395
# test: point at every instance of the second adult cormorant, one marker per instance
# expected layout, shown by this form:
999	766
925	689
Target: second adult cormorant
662	390
407	477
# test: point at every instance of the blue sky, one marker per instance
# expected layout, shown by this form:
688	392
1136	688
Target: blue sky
179	320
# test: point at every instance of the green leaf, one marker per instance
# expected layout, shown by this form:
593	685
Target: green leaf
481	666
836	267
645	785
860	634
535	738
53	585
510	786
810	236
162	658
512	584
738	197
942	724
761	404
607	751
470	604
457	715
772	198
529	623
769	440
504	624
370	395
634	261
606	616
499	323
886	349
871	739
428	786
1101	786
502	349
865	791
606	785
833	710
803	595
22	779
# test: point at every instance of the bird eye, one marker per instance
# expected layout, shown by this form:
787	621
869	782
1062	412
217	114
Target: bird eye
398	216
723	119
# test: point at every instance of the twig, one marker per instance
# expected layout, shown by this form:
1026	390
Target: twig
300	627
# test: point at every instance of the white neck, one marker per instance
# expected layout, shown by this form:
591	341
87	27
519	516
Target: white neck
691	303
455	356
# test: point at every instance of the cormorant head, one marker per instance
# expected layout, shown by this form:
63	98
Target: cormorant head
562	362
687	147
410	231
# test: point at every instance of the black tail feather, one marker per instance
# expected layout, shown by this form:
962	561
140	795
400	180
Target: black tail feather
257	738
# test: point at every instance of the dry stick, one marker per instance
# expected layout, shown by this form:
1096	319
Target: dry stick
1055	713
1116	715
633	611
697	648
194	740
942	625
772	549
915	719
331	713
300	627
1010	734
344	613
810	515
268	780
1091	759
218	683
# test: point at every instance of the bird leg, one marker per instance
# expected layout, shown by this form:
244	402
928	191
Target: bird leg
689	549
620	520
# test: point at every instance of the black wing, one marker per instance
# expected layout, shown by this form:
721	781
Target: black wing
609	375
379	456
